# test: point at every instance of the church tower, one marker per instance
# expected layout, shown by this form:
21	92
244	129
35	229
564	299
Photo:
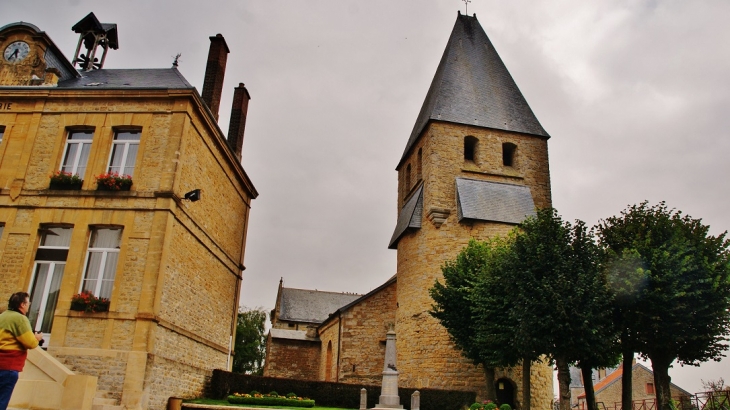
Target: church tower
475	165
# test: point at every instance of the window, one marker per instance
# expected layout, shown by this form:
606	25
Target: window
78	146
408	179
101	261
50	262
508	153
2	131
650	388
124	152
470	148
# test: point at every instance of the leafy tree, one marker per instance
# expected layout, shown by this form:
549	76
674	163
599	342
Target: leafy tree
627	279
560	297
453	305
541	293
683	311
250	346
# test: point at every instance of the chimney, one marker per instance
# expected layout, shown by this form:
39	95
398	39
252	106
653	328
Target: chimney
215	70
239	108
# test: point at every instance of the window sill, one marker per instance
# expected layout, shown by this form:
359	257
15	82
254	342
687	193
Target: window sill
506	173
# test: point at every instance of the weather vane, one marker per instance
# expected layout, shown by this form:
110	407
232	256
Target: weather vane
177	60
466	6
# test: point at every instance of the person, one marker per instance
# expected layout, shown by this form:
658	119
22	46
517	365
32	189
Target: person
16	337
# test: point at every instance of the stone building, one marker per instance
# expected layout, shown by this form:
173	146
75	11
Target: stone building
292	346
474	166
167	253
608	390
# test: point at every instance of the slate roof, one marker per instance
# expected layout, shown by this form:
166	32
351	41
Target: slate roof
410	217
291	335
493	201
311	306
472	86
137	78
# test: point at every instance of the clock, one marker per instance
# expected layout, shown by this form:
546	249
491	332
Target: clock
16	51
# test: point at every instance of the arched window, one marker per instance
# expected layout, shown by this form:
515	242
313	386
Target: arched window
328	368
419	166
470	148
508	154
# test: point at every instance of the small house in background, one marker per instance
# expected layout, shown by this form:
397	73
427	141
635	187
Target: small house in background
608	389
119	183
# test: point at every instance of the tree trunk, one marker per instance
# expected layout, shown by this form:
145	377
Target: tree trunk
627	396
660	367
491	390
526	385
563	383
587	373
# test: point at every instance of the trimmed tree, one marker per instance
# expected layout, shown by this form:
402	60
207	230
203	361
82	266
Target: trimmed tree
560	297
250	343
683	311
455	309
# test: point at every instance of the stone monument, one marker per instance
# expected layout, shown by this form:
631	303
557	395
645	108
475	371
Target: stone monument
389	398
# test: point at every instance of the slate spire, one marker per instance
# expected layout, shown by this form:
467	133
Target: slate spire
473	87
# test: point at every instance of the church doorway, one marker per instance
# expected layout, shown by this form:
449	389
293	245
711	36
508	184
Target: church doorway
505	392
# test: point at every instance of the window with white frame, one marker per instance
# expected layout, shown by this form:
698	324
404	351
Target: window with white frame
101	261
76	155
50	262
124	152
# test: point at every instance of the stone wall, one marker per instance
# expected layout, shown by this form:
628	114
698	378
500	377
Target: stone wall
363	337
426	356
329	336
292	359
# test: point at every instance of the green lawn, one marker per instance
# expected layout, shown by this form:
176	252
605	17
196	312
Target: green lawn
226	403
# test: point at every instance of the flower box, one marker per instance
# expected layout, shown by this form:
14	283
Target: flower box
87	302
65	180
113	182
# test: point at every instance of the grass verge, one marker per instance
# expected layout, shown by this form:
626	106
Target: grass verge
226	403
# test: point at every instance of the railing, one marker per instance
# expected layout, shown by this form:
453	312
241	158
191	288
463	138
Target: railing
710	400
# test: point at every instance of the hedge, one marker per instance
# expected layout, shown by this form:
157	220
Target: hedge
331	394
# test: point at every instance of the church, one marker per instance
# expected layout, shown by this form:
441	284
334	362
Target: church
474	166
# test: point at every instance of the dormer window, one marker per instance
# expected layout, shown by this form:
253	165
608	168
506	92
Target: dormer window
470	148
508	154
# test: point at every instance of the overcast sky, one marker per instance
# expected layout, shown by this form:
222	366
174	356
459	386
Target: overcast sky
634	94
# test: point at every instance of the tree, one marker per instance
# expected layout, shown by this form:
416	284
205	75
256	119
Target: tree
454	306
627	279
561	303
683	311
539	294
250	345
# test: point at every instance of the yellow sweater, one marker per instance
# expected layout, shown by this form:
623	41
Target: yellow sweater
16	336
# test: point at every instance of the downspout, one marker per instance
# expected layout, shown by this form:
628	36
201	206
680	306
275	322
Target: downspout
339	344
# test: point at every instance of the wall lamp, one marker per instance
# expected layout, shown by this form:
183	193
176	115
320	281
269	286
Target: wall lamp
193	195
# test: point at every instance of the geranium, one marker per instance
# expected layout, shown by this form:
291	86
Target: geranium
65	180
112	181
87	302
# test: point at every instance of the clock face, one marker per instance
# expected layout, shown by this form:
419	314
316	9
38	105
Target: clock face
16	51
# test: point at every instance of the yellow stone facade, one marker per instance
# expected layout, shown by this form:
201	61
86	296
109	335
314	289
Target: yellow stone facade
174	299
426	356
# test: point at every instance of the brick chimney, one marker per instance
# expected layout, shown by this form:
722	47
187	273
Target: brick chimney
215	70
239	108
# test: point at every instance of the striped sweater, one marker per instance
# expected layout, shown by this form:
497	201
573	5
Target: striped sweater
16	336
